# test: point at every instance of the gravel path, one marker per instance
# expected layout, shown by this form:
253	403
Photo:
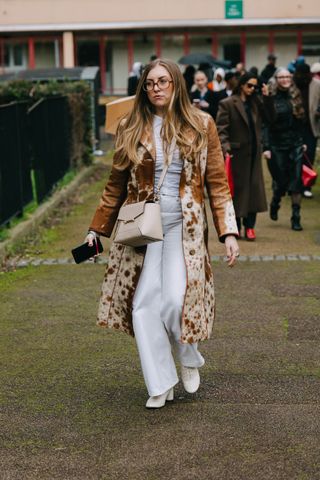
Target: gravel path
72	395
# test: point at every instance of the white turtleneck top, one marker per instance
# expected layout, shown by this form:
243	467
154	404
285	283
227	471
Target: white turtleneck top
171	181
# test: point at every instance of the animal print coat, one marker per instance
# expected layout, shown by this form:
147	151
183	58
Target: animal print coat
135	184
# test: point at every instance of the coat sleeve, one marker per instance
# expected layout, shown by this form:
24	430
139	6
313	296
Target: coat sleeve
113	196
266	108
223	123
314	107
217	187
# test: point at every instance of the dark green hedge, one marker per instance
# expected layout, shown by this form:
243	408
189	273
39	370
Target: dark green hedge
79	100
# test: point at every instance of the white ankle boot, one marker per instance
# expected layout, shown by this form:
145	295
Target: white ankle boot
160	400
190	378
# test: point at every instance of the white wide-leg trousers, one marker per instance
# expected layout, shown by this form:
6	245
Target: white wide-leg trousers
158	302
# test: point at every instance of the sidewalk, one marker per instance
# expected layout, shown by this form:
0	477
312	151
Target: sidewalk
72	396
68	229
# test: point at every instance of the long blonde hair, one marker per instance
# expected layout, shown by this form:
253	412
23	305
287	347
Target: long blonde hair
294	94
180	116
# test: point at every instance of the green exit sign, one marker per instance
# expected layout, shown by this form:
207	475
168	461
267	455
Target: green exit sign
234	9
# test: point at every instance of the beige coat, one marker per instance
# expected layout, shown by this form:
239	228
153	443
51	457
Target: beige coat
314	104
125	263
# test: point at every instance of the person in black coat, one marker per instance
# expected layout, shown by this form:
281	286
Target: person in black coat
134	78
269	69
283	145
189	76
202	97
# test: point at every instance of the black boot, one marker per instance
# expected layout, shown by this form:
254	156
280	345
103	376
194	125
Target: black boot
295	219
274	207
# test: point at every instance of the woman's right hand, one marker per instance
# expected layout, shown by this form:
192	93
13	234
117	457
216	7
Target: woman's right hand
267	154
90	238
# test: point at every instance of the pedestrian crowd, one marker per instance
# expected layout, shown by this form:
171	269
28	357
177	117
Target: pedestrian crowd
275	113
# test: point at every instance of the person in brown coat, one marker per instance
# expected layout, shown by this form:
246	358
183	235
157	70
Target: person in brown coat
239	122
163	293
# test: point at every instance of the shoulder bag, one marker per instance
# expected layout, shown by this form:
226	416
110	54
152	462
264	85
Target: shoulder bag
309	175
140	223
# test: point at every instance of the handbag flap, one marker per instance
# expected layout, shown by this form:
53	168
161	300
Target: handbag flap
128	213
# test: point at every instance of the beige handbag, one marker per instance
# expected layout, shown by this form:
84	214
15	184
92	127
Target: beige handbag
140	223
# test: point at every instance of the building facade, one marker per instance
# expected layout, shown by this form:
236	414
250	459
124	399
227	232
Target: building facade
113	35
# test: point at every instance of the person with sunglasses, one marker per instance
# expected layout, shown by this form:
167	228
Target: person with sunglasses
239	123
283	145
163	293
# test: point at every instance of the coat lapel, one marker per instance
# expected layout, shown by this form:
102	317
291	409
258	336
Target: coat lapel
239	105
147	140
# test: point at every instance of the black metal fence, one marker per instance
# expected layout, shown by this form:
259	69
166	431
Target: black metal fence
50	140
15	166
34	152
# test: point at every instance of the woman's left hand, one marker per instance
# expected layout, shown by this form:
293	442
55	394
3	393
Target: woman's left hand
232	249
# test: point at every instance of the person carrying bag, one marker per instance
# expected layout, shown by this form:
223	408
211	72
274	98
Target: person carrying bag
162	292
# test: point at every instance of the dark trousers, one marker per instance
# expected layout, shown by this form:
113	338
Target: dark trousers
285	166
248	222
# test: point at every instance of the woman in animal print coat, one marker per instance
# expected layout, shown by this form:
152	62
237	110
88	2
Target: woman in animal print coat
163	293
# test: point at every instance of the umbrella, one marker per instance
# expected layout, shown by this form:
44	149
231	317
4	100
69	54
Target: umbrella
197	58
116	110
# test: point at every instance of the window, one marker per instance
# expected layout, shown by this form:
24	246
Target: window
15	55
311	47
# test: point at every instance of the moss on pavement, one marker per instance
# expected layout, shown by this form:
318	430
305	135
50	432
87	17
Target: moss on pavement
72	395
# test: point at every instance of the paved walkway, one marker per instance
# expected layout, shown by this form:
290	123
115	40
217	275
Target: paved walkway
103	260
72	396
275	240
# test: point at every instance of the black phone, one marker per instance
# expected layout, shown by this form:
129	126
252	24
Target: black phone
84	252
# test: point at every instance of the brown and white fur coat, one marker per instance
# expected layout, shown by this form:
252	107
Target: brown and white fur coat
135	184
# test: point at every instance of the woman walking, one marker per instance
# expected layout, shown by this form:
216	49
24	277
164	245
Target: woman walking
239	122
283	145
163	293
202	97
